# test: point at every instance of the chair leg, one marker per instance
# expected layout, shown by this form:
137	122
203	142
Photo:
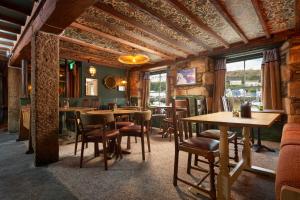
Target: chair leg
189	163
236	150
105	154
119	146
135	139
76	143
196	160
212	178
175	175
128	142
148	141
81	154
143	146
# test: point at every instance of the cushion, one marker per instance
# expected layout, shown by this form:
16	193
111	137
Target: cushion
134	130
291	127
290	138
214	134
123	124
202	143
288	168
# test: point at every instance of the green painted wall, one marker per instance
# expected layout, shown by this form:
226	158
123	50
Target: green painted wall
105	95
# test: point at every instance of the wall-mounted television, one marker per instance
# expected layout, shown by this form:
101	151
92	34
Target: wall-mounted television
186	76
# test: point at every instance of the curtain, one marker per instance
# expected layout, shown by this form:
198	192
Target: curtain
219	84
145	89
271	80
170	89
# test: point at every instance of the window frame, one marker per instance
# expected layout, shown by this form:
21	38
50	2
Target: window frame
160	92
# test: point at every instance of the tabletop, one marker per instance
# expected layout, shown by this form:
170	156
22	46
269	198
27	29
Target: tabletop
115	112
74	109
258	119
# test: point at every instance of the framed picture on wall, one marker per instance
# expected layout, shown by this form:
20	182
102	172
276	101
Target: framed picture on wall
121	88
91	87
186	76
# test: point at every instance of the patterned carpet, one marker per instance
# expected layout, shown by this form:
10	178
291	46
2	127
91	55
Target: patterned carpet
129	178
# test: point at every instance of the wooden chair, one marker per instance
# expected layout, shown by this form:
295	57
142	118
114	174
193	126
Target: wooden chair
106	133
140	129
95	104
158	113
200	146
202	130
85	103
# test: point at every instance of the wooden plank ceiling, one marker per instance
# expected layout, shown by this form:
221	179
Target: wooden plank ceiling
13	15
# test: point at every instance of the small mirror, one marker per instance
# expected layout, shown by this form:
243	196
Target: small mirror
91	87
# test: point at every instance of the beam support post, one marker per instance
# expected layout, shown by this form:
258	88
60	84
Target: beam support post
44	97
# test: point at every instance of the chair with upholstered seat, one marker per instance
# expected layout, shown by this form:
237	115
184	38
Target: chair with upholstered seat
139	129
106	133
202	130
200	146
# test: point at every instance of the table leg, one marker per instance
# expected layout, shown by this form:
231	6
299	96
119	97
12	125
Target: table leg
257	147
246	153
223	184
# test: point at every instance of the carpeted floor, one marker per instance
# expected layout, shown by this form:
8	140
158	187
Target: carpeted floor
129	178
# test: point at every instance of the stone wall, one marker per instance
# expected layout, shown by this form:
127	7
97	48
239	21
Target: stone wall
14	94
204	79
290	79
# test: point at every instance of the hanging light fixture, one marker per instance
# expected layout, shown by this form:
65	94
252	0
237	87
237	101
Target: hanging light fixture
92	70
133	59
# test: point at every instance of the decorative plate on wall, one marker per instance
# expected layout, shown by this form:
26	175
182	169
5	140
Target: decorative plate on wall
110	82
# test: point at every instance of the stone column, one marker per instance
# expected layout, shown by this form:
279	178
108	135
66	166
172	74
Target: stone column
24	65
14	93
44	97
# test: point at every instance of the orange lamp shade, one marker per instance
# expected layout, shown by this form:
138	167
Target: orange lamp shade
134	59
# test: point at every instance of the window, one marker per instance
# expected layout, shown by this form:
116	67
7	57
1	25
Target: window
158	89
243	82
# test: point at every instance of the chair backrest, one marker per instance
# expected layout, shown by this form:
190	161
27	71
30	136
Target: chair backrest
95	103
143	118
85	103
111	105
225	104
200	109
107	119
181	129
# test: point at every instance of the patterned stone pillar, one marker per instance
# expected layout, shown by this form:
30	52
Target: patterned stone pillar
14	93
44	97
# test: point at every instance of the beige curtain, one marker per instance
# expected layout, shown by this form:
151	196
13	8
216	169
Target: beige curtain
271	80
219	84
145	89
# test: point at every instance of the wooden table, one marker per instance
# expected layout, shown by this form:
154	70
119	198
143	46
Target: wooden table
115	112
225	120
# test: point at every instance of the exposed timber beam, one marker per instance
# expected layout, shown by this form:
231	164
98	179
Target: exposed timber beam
238	47
195	19
117	39
87	57
129	20
229	19
92	46
152	44
48	17
4	48
168	23
5	27
11	19
261	17
297	17
8	36
15	7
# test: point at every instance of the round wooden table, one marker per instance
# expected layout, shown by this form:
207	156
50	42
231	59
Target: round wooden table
115	112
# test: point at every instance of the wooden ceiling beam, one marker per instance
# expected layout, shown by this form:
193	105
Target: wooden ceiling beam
229	19
92	46
120	40
129	20
15	7
87	57
194	18
143	39
12	20
6	43
4	48
8	36
151	12
257	7
238	47
297	17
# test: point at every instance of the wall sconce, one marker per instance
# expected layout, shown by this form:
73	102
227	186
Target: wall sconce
123	82
92	71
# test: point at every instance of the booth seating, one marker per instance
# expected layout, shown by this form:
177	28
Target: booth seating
288	169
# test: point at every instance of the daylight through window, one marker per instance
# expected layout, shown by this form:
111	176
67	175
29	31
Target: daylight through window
158	89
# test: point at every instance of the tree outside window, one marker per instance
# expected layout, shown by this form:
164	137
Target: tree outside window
243	82
158	89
